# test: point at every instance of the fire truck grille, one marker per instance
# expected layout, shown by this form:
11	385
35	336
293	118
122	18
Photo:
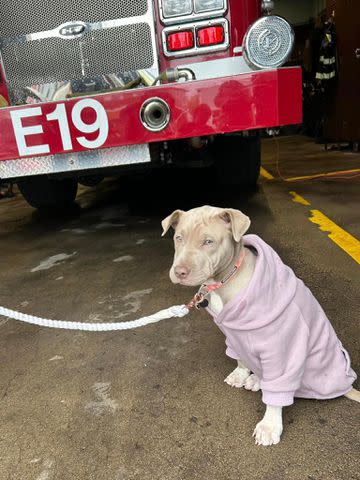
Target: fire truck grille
90	43
98	52
20	17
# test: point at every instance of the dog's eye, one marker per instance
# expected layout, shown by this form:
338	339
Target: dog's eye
178	238
208	242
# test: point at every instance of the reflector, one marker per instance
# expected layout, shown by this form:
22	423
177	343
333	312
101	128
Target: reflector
180	41
210	36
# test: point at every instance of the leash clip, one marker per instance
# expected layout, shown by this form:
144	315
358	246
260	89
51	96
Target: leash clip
198	298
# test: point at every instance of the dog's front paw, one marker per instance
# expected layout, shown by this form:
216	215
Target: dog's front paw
238	377
267	432
252	383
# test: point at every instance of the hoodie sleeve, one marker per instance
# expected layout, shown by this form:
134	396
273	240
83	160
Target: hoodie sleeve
283	354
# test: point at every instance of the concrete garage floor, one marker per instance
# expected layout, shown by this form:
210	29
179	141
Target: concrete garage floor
151	403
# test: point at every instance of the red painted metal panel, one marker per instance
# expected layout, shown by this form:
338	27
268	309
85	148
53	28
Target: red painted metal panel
198	108
241	14
290	98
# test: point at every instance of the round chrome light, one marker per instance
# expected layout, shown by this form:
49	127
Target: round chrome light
268	42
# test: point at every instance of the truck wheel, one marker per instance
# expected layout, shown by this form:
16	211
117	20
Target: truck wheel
44	193
238	159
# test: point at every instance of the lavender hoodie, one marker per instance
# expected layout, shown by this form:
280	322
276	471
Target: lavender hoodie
281	333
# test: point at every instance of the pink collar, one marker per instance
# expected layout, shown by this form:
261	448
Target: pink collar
204	290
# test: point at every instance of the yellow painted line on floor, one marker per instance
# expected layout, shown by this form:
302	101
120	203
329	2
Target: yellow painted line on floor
264	173
326	174
299	199
343	239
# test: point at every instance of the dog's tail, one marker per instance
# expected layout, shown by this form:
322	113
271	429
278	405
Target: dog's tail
353	395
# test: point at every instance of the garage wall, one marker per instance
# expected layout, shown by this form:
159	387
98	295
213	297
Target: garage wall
299	11
319	6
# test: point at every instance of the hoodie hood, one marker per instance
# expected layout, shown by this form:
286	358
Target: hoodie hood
271	289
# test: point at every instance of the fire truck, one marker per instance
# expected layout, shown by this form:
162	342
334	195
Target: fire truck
90	89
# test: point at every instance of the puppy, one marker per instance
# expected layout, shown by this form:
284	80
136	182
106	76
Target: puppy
274	326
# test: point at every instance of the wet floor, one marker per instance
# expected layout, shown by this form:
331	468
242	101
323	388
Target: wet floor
151	403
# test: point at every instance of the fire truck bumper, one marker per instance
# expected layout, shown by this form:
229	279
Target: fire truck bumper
248	101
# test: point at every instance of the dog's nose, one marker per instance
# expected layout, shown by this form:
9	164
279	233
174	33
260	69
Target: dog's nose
181	272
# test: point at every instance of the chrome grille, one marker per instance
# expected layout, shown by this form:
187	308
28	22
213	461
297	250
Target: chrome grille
41	62
20	17
118	37
99	52
130	49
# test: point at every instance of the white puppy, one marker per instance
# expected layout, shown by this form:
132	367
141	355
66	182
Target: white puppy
274	326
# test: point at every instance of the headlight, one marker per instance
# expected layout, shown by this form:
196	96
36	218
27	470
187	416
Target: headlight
176	8
208	5
268	42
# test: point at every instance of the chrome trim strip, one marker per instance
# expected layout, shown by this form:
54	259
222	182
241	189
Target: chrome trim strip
151	16
192	16
195	26
76	161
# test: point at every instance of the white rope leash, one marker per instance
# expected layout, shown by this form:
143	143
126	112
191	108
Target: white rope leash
175	311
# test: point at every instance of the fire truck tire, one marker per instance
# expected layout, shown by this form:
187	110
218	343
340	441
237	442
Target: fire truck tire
238	159
44	193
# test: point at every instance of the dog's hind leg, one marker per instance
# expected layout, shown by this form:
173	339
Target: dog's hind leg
238	377
353	395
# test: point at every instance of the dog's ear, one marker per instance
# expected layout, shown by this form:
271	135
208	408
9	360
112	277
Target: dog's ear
171	221
237	222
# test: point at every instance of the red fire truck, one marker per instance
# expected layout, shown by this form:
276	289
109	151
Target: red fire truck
89	89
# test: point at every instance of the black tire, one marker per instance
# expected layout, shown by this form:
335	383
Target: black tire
44	193
238	159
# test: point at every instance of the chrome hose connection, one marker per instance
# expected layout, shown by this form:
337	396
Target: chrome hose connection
186	73
174	75
155	114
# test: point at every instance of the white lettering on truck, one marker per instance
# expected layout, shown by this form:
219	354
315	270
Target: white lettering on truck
100	124
22	132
